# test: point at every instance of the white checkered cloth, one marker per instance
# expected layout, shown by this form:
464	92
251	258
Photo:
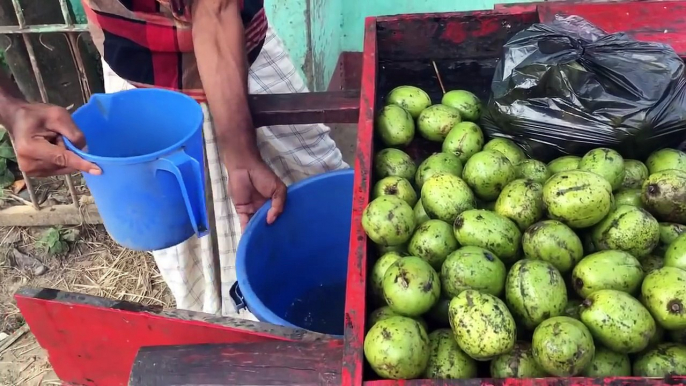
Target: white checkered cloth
293	152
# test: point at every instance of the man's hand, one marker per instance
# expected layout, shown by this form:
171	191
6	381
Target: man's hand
252	186
37	131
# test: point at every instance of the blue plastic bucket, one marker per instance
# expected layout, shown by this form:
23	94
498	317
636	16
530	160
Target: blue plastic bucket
149	145
292	273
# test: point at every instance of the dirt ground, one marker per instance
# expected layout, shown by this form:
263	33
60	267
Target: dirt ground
77	259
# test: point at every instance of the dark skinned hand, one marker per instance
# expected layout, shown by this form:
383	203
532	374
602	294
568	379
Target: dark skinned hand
251	186
37	131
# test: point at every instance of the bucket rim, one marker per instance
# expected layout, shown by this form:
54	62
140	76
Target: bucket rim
253	224
146	157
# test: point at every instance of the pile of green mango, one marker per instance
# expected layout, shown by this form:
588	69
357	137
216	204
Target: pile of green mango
492	264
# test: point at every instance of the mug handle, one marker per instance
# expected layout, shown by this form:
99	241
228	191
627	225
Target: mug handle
190	176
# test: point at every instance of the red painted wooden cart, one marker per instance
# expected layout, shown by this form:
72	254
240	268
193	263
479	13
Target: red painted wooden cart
95	341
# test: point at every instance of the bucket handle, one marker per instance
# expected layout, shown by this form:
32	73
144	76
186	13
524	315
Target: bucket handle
237	298
189	174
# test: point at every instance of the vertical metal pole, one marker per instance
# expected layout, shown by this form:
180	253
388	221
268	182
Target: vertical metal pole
29	185
65	13
30	52
73	46
75	52
39	80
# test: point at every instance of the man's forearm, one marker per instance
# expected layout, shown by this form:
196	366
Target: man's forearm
219	42
9	96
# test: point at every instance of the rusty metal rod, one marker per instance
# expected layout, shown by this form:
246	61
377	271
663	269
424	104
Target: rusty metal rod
74	49
42	28
73	41
27	181
20	14
29	49
32	193
72	190
65	13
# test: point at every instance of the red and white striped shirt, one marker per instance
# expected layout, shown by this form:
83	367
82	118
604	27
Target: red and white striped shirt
150	45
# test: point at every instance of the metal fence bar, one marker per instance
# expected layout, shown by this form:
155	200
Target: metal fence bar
74	48
43	28
72	32
29	185
65	13
41	87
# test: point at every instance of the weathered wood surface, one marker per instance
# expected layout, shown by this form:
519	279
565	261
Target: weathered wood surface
304	108
93	341
255	364
28	216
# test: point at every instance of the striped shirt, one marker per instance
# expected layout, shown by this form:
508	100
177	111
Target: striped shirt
150	45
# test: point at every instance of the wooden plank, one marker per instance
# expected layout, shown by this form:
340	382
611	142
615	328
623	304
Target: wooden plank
94	341
348	72
305	108
254	364
28	216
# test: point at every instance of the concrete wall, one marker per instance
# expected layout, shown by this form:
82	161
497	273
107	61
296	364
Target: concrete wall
333	26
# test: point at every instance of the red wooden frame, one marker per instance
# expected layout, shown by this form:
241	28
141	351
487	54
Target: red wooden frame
357	260
93	341
469	36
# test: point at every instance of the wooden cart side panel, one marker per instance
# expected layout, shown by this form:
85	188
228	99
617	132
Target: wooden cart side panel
575	381
353	356
94	341
470	35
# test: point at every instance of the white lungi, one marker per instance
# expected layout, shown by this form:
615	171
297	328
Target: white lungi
293	152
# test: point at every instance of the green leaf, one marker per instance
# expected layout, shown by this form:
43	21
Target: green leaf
6	176
6	180
58	247
70	235
55	240
7	152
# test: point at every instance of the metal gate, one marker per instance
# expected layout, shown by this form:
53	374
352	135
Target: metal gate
72	32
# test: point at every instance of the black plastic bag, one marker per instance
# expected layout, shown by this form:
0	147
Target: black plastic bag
569	87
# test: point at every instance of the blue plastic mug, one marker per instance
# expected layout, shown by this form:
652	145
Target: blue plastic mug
149	145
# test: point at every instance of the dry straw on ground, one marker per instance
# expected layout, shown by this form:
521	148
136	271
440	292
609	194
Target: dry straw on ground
94	265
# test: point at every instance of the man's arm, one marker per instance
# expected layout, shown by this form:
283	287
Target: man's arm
219	41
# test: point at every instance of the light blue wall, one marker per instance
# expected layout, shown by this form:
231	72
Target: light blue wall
291	19
338	25
327	26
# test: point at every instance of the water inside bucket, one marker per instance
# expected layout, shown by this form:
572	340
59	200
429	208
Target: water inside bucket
320	309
